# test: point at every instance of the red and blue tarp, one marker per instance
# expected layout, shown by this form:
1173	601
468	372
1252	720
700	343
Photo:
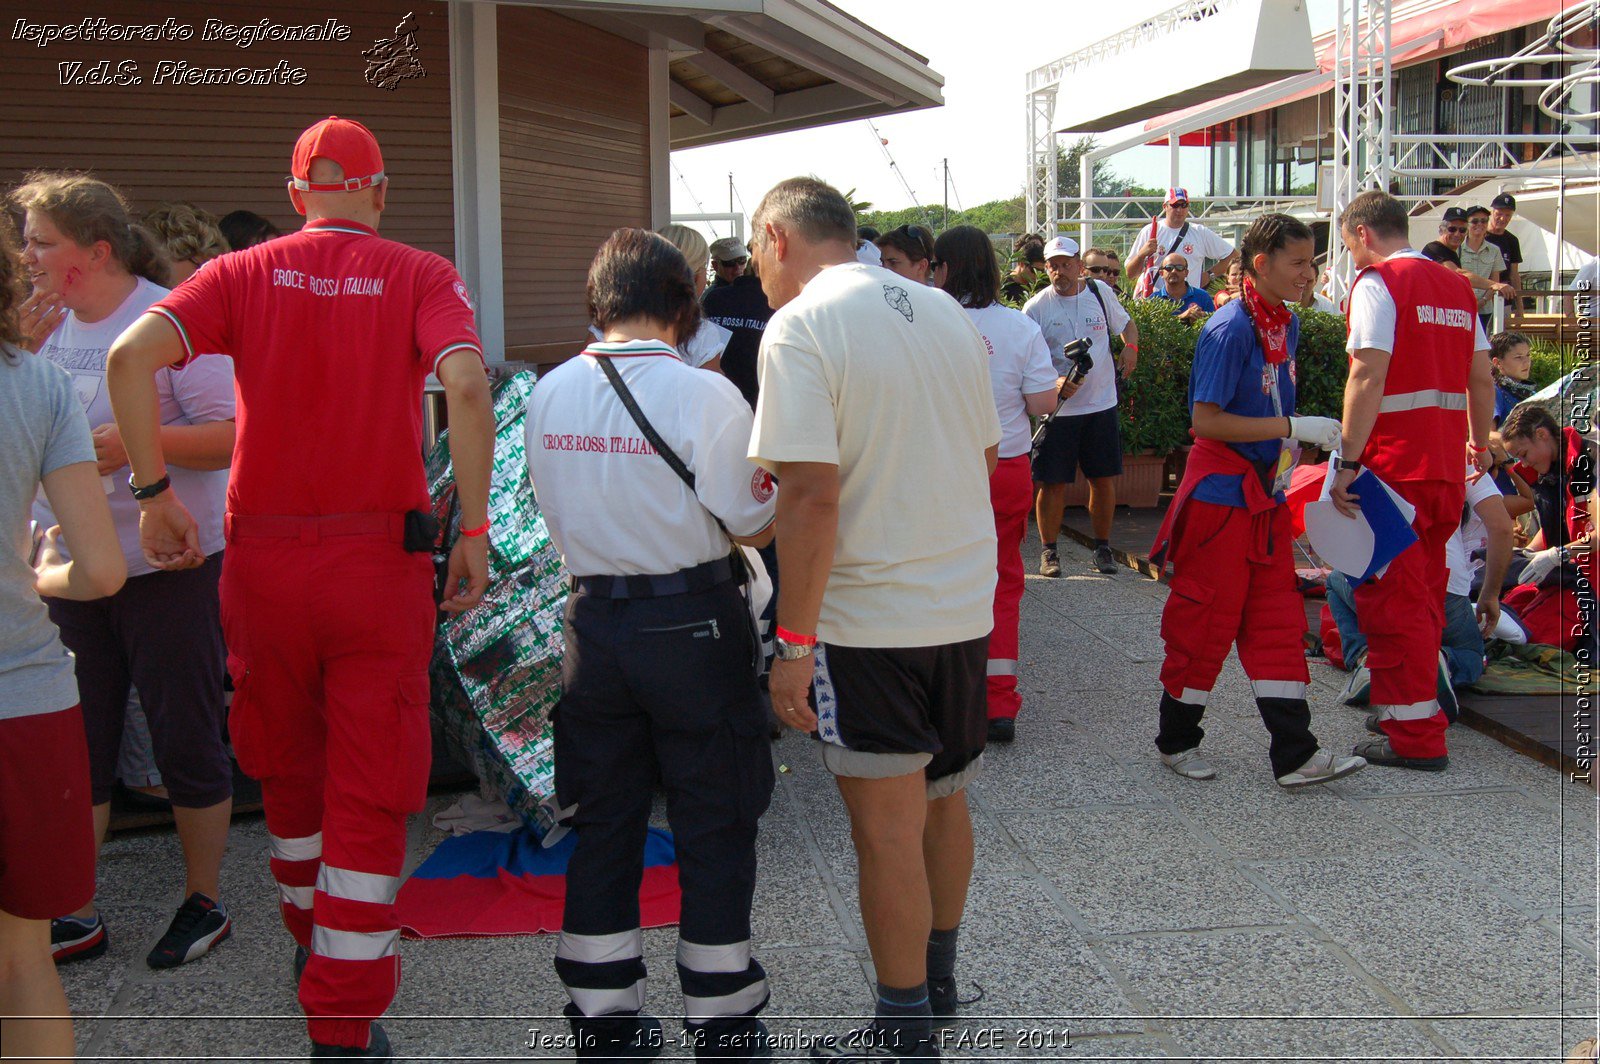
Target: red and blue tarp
491	883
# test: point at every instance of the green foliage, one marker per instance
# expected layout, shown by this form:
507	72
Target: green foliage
999	216
1154	402
1322	363
1551	362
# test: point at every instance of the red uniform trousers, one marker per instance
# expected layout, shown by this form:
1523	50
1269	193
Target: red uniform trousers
1402	614
1233	582
329	624
1011	495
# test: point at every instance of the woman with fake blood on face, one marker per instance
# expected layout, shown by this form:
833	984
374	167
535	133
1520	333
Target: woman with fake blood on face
95	272
1228	533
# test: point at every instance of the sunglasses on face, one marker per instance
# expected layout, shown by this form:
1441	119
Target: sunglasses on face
1174	269
1478	221
1179	206
1455	229
733	262
1109	271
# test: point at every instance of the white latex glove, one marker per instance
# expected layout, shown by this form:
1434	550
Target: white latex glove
1540	565
1323	432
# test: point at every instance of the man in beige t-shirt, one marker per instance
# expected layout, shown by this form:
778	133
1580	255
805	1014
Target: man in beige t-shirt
876	415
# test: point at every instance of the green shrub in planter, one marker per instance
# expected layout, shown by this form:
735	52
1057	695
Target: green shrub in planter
1154	403
1322	364
1551	362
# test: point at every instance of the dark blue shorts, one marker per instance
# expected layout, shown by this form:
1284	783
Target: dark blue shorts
1091	442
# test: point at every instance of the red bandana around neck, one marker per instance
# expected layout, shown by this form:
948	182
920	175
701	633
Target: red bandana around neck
1272	323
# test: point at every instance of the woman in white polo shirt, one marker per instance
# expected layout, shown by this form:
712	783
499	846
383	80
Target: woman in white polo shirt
1025	382
659	675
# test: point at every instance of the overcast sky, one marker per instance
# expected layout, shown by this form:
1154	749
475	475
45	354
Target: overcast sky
984	58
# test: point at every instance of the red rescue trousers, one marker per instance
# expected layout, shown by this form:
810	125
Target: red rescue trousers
329	624
1233	581
1011	495
1402	615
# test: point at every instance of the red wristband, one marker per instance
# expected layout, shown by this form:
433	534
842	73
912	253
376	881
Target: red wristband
481	530
1475	448
795	640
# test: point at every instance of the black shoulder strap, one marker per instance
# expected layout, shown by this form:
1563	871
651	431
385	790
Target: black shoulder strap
667	454
1094	286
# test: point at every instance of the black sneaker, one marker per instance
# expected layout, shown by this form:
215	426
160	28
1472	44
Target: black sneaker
1378	751
200	924
1002	729
945	1002
1446	691
75	939
378	1047
1104	562
1049	562
868	1044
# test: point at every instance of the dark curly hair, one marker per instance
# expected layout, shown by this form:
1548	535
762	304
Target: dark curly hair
637	273
1270	233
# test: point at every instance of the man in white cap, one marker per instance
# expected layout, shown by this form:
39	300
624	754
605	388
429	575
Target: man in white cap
729	257
1173	232
1084	433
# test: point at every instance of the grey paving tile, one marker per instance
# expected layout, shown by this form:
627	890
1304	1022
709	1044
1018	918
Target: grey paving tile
1231	978
1423	930
1047	981
1130	870
1253	818
187	1020
1054	766
1514	1038
1519	845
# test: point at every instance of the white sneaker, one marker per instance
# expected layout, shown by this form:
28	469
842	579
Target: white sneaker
1357	689
1190	765
1322	767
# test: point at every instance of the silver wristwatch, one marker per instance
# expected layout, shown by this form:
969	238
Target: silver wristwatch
792	651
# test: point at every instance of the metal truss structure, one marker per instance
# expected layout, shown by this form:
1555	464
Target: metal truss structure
1362	121
1568	44
1041	189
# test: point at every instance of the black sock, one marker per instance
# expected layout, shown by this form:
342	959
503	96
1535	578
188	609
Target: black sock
1051	545
1101	543
904	1015
942	953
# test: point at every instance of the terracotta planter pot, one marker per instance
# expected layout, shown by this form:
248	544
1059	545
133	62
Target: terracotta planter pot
1139	486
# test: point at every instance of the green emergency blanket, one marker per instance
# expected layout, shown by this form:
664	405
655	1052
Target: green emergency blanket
497	668
1531	669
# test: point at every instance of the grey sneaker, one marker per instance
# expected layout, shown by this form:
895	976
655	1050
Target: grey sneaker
1322	767
1104	562
1358	688
1378	751
1189	764
1049	562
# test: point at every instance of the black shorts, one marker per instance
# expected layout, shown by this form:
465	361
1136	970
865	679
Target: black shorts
1090	441
890	711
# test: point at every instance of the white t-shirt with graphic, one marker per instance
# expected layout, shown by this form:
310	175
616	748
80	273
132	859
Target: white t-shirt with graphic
1063	319
1019	365
1198	246
200	392
888	380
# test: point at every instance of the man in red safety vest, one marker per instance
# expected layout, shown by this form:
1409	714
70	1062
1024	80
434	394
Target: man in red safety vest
1419	403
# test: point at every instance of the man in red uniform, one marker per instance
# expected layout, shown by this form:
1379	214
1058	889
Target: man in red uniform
327	584
1420	386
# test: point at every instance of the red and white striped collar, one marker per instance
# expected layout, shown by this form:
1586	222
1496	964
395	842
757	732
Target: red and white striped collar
338	225
630	349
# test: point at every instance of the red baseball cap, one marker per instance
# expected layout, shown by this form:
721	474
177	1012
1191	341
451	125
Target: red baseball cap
339	140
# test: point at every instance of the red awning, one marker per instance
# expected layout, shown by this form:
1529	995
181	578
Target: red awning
1418	31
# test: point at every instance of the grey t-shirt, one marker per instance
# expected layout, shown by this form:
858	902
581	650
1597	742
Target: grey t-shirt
42	428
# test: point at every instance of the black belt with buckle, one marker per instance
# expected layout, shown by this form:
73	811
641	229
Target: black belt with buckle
701	577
